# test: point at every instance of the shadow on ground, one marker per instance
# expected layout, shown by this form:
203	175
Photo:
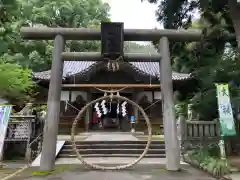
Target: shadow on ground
78	172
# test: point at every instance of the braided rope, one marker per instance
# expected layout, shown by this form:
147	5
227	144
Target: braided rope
111	91
17	172
26	166
95	166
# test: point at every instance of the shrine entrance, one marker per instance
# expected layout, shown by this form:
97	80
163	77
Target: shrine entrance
112	36
115	120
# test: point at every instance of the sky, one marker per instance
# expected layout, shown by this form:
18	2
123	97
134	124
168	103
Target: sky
134	14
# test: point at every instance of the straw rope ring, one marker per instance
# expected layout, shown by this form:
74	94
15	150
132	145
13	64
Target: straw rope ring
119	167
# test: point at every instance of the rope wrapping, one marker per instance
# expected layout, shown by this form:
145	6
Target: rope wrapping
23	168
98	167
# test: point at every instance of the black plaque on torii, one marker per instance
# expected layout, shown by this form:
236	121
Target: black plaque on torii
112	40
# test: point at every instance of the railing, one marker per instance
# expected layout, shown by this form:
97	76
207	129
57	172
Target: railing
202	130
36	147
198	130
198	134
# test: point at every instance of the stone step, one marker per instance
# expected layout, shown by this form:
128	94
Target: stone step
115	146
113	151
111	155
114	142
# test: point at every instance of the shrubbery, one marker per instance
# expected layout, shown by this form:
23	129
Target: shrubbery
208	160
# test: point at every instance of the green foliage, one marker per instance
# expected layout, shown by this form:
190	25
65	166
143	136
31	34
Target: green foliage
138	48
181	109
42	173
206	161
213	60
58	169
20	57
40	108
15	81
36	55
175	13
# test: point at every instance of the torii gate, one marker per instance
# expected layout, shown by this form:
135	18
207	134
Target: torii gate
60	35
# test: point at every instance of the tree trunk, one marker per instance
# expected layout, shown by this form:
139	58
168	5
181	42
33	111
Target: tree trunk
234	8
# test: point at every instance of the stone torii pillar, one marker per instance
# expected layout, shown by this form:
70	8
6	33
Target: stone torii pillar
47	162
169	117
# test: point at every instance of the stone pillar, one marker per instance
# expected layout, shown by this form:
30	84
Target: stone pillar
182	128
169	117
182	123
47	162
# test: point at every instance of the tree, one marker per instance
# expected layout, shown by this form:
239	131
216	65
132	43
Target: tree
206	60
15	82
138	48
36	55
18	58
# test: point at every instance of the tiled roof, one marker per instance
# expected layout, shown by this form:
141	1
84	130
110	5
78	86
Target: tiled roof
78	67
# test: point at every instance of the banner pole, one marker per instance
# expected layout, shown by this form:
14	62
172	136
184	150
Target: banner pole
227	125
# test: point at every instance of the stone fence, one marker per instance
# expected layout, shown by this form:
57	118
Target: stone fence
198	132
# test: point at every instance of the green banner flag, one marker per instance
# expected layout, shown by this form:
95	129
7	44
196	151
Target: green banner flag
226	119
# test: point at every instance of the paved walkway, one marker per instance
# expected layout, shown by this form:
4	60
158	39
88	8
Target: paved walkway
147	169
141	173
111	136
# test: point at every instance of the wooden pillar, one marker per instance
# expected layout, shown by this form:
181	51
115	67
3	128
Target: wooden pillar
135	109
169	119
53	108
87	118
70	96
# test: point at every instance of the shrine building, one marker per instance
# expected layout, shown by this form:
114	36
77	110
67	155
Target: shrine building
83	79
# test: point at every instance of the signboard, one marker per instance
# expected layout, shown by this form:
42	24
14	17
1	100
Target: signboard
19	130
227	125
132	119
4	117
